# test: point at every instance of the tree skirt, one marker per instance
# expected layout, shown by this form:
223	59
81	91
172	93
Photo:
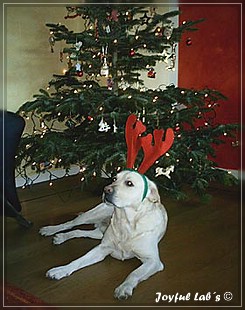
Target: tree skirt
14	296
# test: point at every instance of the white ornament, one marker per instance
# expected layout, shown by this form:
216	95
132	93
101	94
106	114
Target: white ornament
166	172
115	127
78	66
105	69
78	45
103	126
178	106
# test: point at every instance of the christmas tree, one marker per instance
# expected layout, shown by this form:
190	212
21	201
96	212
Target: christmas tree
80	118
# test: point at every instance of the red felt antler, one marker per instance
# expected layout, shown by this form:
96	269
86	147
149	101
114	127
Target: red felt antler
134	128
133	131
153	152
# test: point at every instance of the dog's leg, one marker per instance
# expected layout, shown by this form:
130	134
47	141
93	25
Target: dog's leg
96	255
95	215
78	233
146	249
147	269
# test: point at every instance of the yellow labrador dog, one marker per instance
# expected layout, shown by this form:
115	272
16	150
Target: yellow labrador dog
130	223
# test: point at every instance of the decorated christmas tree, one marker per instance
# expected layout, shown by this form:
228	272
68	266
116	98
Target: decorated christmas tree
80	118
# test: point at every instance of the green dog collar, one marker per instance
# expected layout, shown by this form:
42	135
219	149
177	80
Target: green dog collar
145	182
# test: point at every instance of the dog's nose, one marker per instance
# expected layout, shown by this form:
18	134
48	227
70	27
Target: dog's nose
108	189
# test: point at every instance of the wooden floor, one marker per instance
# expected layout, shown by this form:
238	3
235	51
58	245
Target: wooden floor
201	251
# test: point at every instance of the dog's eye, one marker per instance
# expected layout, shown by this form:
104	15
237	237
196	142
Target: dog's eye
114	179
129	183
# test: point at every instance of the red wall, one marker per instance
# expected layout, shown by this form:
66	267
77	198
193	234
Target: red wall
213	60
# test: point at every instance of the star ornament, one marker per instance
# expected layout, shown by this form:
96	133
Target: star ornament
145	19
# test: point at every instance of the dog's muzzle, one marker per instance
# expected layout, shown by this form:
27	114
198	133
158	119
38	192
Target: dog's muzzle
108	194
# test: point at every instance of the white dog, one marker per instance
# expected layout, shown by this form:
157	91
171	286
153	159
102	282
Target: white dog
131	221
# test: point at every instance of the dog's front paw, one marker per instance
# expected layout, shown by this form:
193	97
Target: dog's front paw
59	238
47	231
123	291
58	273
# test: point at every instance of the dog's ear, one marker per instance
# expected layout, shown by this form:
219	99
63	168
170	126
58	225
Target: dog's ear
153	194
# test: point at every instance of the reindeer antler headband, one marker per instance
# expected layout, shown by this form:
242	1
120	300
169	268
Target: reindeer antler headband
152	149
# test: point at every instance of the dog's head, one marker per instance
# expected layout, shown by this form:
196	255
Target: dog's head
130	188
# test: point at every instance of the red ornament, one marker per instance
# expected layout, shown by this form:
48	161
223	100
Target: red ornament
80	73
132	52
188	41
151	73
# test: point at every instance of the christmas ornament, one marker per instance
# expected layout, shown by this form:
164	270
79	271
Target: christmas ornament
167	31
129	15
145	19
108	29
103	126
114	15
132	52
51	41
78	66
105	68
114	126
80	73
78	45
151	73
166	172
188	42
90	118
104	51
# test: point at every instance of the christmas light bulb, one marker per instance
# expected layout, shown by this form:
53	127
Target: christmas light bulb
50	183
82	179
